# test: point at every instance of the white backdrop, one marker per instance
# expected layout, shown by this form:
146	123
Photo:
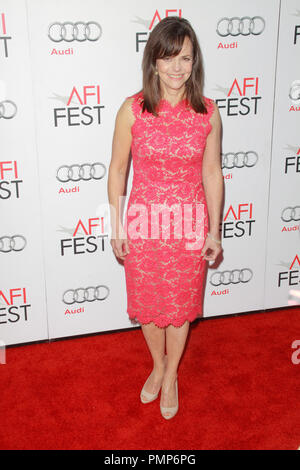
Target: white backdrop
68	82
23	313
283	253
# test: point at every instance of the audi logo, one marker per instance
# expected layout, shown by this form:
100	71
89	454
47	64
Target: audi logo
231	277
239	159
85	172
291	213
79	31
294	92
87	294
14	243
8	109
245	26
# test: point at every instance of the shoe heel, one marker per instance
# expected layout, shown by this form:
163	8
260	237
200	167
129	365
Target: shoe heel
172	411
149	396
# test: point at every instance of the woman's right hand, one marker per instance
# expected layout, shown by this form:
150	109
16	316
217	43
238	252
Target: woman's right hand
120	247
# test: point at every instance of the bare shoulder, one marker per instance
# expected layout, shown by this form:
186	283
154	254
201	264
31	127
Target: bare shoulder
125	113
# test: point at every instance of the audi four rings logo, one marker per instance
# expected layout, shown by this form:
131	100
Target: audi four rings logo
87	294
244	26
79	31
8	109
239	159
294	92
291	213
14	243
231	277
85	172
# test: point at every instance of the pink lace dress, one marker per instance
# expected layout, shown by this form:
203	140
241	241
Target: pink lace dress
164	272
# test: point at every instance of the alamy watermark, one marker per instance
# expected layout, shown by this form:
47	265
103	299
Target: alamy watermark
296	354
143	222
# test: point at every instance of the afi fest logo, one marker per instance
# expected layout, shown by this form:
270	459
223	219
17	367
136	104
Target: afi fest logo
296	34
87	237
141	37
291	276
296	30
14	306
238	221
242	98
292	162
82	107
237	27
9	180
4	37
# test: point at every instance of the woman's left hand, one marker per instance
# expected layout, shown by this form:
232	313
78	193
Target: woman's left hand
211	249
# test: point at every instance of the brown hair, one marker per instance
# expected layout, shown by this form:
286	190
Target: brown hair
166	40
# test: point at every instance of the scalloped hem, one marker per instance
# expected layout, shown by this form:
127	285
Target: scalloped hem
176	324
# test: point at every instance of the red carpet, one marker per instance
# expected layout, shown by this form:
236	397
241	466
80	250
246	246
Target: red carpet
238	389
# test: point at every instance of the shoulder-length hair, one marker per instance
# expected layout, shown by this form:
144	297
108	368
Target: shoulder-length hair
166	40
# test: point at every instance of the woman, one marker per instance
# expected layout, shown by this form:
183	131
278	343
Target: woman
174	134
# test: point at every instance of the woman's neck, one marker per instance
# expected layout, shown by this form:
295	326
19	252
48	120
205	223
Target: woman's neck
173	96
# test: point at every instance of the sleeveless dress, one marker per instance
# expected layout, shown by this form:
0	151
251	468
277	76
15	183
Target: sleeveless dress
164	272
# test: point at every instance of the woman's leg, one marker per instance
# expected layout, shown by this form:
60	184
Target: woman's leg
175	342
155	339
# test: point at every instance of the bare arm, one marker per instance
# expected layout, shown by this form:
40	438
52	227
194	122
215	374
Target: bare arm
212	174
118	167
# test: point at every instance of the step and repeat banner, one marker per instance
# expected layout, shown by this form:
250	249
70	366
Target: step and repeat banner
23	310
65	69
283	248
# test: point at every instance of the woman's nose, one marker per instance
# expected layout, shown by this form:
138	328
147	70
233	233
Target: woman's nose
176	65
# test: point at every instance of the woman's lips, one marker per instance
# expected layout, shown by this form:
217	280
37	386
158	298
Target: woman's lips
175	77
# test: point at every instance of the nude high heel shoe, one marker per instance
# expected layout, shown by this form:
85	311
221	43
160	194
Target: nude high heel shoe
170	412
149	396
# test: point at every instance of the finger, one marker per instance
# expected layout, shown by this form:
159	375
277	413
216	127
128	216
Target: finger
120	256
126	245
211	255
124	249
117	251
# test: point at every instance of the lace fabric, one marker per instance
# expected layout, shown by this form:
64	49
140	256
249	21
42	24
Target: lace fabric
164	278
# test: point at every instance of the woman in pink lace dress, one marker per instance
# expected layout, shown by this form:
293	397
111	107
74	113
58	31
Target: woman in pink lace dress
171	224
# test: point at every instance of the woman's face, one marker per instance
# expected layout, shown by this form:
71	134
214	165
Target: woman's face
174	71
